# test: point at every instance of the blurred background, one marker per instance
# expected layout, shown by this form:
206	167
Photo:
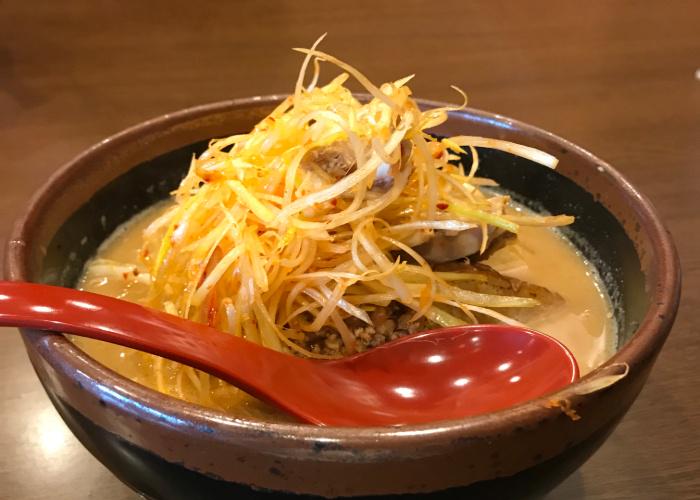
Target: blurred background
621	79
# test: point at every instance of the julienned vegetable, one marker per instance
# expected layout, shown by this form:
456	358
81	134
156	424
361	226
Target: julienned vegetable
317	217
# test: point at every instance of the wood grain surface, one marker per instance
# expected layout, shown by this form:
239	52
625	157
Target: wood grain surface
619	78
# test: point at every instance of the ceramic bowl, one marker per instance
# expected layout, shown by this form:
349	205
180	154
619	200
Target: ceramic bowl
166	448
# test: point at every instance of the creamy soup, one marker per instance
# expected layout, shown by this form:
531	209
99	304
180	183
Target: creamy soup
582	320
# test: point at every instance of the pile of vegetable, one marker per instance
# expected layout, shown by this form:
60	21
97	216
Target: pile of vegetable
329	210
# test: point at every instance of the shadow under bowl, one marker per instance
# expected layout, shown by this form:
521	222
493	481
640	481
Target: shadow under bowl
167	448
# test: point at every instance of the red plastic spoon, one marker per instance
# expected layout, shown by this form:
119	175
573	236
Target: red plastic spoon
440	374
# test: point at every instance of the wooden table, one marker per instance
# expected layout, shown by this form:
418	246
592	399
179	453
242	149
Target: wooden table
619	78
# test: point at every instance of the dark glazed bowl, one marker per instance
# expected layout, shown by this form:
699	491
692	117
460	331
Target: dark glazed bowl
166	448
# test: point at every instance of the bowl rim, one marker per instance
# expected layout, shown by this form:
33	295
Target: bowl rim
64	356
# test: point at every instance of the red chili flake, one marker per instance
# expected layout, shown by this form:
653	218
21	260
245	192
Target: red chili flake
202	278
211	315
125	275
135	271
334	202
145	252
442	205
213	310
210	176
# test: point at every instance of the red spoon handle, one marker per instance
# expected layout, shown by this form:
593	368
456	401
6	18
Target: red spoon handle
112	320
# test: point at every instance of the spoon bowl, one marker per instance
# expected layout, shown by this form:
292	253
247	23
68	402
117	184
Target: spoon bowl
439	374
450	373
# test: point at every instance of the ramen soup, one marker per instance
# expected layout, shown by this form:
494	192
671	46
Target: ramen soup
581	320
336	225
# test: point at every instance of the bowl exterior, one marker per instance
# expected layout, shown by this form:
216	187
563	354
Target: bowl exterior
167	448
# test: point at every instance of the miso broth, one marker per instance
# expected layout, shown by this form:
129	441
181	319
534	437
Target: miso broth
583	320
